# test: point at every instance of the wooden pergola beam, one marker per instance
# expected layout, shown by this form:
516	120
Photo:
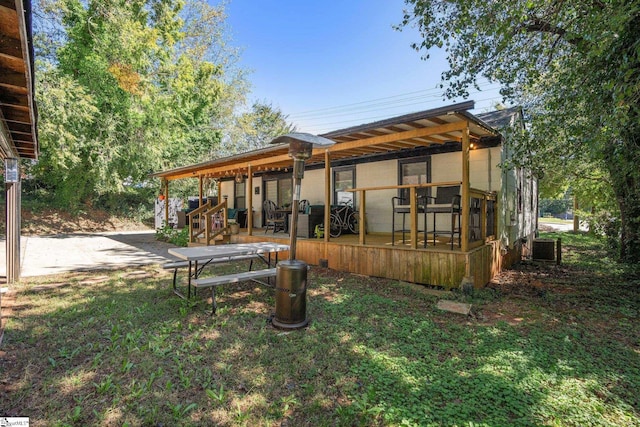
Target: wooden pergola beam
284	160
398	136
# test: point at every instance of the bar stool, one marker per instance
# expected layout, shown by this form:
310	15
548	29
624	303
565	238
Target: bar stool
447	201
400	206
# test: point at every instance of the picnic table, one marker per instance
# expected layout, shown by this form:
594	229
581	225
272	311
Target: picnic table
198	257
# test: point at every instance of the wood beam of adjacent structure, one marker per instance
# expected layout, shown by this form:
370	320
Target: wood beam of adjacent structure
14	116
11	78
10	47
15	106
9	20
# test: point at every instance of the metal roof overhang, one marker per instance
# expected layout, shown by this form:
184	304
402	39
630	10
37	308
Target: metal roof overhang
425	128
18	136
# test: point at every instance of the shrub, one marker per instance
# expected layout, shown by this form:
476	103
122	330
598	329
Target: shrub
178	237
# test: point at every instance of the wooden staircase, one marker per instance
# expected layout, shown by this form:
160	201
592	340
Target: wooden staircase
208	225
220	240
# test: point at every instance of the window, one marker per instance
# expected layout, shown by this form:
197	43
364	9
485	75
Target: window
239	195
414	171
344	178
279	190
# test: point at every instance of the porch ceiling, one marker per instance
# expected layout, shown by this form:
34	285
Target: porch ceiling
17	106
425	128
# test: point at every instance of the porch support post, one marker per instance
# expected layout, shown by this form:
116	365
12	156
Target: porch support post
250	200
327	199
200	189
219	191
413	213
483	217
165	191
464	223
361	217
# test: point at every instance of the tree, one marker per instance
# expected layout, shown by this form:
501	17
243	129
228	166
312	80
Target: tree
575	66
129	87
256	128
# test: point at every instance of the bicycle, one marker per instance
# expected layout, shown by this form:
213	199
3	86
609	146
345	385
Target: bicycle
343	217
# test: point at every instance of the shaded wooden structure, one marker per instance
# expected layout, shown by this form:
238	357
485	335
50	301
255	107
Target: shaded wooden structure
452	130
18	134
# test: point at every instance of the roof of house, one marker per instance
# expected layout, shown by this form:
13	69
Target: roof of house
431	127
504	118
18	132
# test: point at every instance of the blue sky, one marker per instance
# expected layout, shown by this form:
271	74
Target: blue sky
337	63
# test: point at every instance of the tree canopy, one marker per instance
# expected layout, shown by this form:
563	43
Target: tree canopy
574	66
130	87
257	127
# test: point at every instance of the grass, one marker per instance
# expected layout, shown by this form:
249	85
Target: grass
547	345
553	220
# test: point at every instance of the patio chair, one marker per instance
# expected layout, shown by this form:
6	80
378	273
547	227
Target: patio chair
273	220
401	206
447	201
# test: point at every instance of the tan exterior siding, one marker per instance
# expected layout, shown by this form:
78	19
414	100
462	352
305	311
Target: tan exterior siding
313	187
378	202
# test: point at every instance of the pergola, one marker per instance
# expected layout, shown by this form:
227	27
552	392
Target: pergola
18	133
450	124
432	127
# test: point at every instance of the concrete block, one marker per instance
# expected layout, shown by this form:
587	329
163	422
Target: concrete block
454	307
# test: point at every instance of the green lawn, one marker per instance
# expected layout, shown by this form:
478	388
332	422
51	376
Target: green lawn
547	345
552	220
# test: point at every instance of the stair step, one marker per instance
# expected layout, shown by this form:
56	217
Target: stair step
218	240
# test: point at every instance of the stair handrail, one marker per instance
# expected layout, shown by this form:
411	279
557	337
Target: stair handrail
210	232
197	212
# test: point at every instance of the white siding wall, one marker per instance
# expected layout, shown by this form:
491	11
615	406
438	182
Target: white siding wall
484	170
517	215
446	167
226	189
257	201
484	173
378	202
312	188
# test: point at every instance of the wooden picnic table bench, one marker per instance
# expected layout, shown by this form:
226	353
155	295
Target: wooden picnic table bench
224	253
213	282
176	265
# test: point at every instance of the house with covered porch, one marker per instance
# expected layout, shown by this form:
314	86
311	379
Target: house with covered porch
431	203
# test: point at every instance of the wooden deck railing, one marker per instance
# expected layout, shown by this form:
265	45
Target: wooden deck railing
481	213
482	224
207	220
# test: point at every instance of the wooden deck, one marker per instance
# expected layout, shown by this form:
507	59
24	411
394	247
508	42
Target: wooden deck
434	265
